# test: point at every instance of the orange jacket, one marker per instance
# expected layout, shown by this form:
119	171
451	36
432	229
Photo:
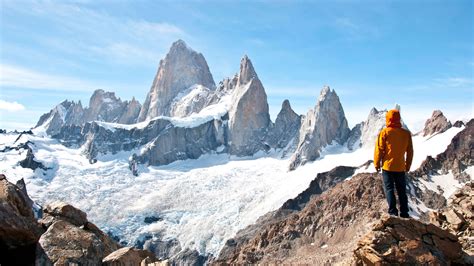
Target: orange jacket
392	144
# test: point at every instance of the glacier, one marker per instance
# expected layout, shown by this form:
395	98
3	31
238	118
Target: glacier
201	203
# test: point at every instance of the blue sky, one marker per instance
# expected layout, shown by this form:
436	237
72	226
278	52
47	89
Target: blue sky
416	53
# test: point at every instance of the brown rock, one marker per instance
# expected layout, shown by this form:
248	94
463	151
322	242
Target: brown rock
18	225
454	219
128	256
438	123
64	244
109	244
66	212
412	243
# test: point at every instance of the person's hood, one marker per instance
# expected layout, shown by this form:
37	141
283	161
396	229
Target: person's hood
392	119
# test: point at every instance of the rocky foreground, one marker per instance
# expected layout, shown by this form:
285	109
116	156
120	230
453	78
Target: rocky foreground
63	236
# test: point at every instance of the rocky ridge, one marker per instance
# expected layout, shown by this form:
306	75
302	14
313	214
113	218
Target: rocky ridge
63	236
457	157
396	240
103	106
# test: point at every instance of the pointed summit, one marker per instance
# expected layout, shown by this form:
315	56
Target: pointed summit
180	45
247	72
178	71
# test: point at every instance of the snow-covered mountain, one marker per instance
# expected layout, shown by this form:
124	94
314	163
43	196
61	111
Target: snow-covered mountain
178	71
209	160
192	204
103	106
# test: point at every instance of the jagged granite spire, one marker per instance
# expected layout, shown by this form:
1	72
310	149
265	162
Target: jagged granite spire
247	72
180	69
327	123
249	118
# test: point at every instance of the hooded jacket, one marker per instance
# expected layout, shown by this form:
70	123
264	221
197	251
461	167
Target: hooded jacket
392	144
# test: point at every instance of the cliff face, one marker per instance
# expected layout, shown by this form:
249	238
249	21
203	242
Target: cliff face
181	69
321	126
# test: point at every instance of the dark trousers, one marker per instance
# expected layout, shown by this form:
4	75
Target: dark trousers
392	181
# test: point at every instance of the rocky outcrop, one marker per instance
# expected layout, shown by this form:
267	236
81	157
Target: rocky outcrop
64	243
30	160
181	69
65	113
128	256
191	101
71	238
286	129
458	217
321	127
248	116
19	230
67	212
456	158
458	124
396	240
323	232
438	123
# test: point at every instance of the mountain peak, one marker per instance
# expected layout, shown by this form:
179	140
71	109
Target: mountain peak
182	68
179	44
438	123
247	72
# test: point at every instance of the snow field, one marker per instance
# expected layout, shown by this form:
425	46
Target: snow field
202	202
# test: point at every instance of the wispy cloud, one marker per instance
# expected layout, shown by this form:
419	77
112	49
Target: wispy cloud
80	31
20	77
11	106
355	29
454	82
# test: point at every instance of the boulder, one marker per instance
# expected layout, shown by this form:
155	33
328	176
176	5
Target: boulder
66	212
128	256
64	243
19	230
396	240
438	123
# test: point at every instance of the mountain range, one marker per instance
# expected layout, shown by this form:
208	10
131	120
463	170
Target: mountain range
200	174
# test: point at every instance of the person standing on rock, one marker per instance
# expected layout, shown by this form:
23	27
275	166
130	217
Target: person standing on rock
394	154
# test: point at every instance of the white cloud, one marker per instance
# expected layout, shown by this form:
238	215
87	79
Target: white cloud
96	35
15	76
11	106
355	29
454	82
